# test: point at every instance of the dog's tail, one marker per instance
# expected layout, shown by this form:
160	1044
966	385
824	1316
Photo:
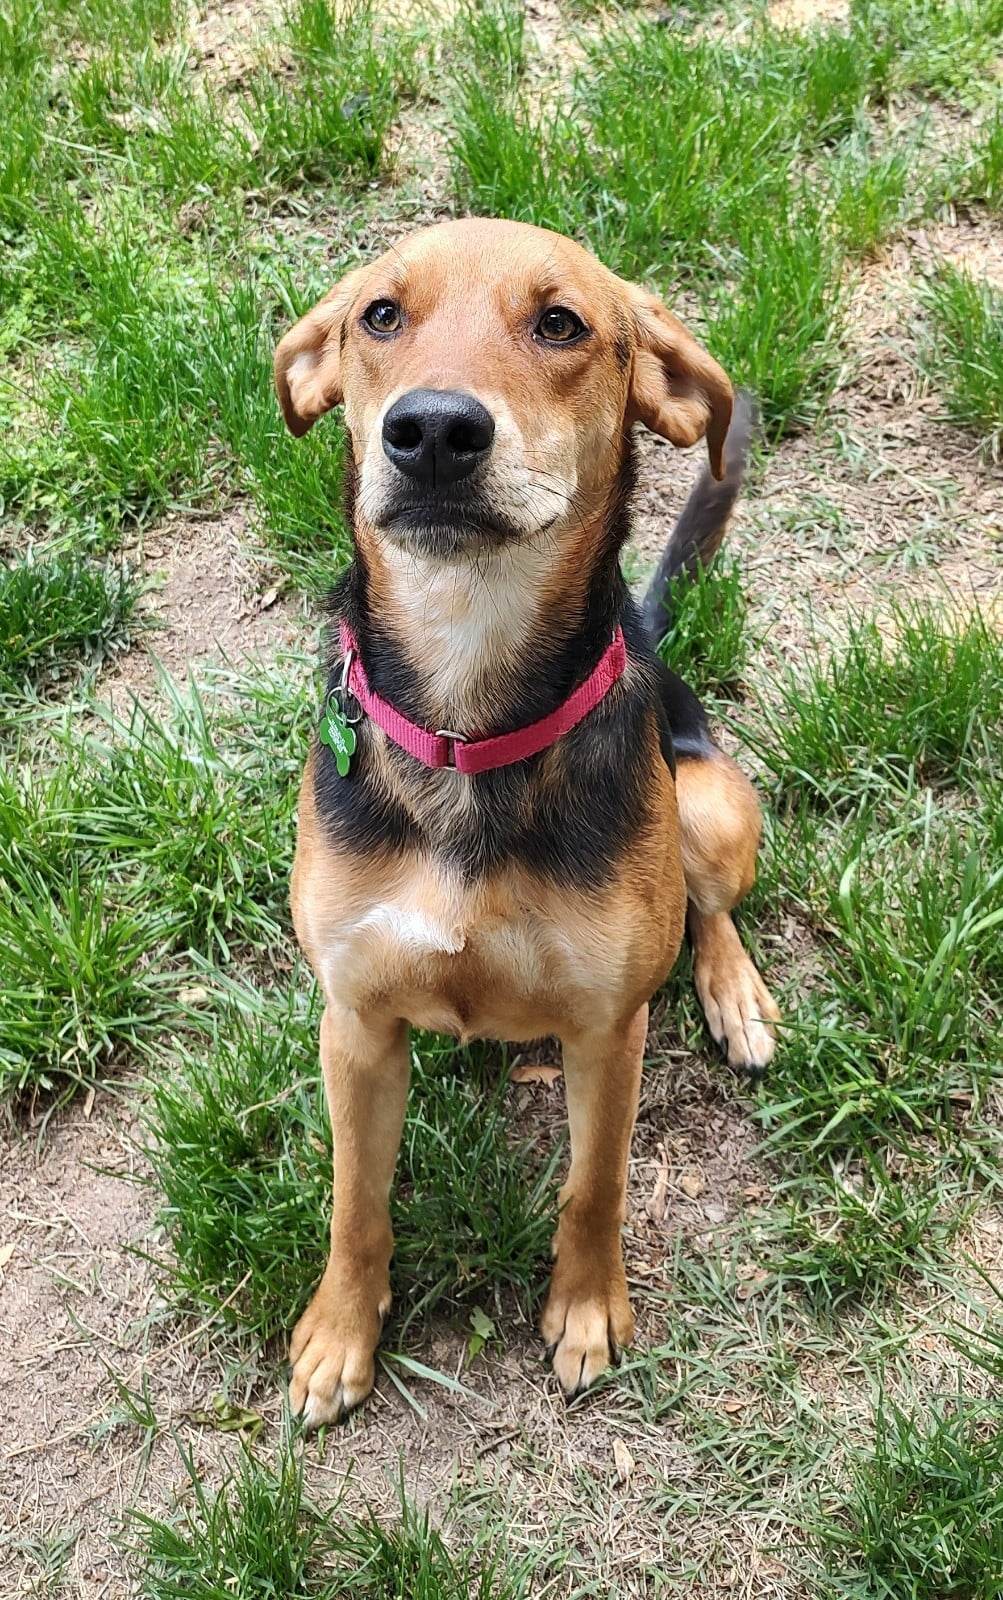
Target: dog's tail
703	521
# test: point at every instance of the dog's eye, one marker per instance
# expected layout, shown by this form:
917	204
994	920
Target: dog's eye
383	316
559	326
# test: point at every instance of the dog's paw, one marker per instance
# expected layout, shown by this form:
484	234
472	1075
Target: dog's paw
585	1330
740	1011
332	1355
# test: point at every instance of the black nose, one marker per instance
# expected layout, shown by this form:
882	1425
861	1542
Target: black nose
437	436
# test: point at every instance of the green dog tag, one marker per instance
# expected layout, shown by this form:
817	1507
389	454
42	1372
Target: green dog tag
338	734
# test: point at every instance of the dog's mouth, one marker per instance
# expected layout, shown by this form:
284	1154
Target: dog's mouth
447	527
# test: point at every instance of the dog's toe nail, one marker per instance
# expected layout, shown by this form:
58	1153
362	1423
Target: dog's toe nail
321	1413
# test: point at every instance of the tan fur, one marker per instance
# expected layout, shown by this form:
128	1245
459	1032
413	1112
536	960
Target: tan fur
404	939
720	828
508	957
472	288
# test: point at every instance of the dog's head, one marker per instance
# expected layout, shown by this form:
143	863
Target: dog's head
489	372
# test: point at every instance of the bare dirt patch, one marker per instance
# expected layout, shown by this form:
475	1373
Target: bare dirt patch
972	245
71	1299
209	601
226	38
807	13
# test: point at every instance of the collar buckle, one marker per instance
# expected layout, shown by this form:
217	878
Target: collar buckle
454	739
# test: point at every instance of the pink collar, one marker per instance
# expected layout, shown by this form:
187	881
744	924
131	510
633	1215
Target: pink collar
445	749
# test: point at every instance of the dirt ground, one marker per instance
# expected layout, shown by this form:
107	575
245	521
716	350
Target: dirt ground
881	500
79	1315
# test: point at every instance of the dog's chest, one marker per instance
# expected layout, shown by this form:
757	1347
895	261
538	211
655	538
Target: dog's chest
496	960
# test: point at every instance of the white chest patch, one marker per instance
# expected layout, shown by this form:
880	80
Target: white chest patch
413	929
425	914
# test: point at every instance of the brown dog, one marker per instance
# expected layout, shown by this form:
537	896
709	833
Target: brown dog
490	374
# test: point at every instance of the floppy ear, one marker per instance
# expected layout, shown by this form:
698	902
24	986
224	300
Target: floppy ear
676	388
308	359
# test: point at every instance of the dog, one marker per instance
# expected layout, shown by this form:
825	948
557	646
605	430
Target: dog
512	809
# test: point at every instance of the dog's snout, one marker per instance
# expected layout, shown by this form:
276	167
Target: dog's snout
437	436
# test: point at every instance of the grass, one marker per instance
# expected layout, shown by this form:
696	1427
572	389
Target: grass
168	400
981	176
914	697
136	22
141	116
942	49
126	404
126	850
317	107
880	1106
261	1533
77	990
683	156
148	370
707	641
493	39
296	486
925	1510
964	355
874	191
196	808
843	1243
879	1115
55	613
774	305
243	1158
156	390
599	170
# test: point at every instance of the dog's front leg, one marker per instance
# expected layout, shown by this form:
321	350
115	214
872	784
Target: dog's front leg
587	1315
366	1067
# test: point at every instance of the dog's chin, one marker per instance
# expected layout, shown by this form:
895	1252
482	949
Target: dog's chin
448	533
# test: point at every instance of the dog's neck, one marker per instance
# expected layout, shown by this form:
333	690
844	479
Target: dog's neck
488	642
471	628
480	648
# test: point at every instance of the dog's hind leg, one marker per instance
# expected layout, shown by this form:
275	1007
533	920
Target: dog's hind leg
719	831
720	827
719	815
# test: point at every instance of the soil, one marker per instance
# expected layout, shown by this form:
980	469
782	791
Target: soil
804	13
208	601
80	1317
